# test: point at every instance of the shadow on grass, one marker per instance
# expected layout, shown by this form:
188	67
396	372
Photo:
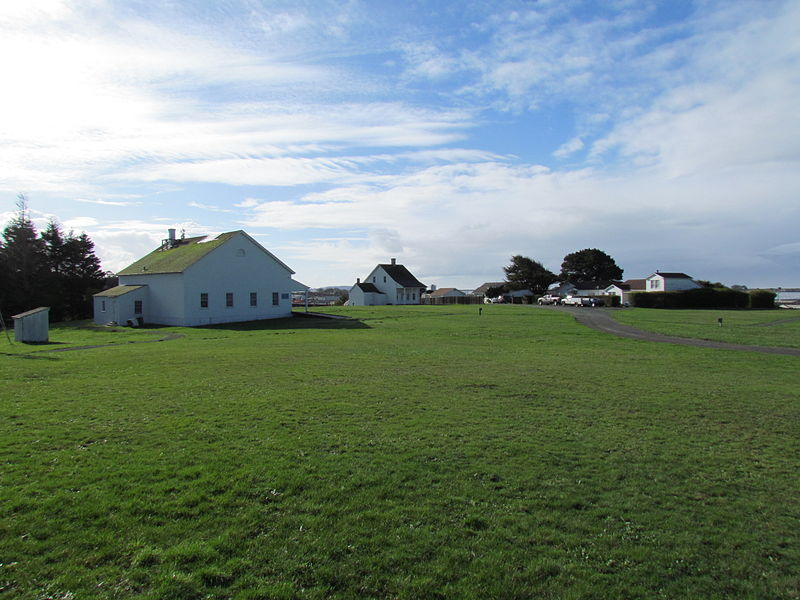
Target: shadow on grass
298	321
28	355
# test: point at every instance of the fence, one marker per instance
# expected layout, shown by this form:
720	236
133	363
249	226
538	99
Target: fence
443	300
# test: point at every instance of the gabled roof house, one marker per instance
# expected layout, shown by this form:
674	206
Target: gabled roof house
200	281
624	289
669	282
387	284
447	292
485	287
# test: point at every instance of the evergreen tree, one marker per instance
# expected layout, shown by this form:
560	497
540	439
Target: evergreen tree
590	264
82	275
54	249
25	264
53	270
527	274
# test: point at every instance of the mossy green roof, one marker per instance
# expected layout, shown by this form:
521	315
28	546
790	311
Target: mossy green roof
178	258
119	290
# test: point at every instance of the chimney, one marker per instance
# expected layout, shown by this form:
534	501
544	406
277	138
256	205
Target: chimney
358	279
394	261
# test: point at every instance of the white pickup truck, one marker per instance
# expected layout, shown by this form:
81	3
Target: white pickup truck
549	299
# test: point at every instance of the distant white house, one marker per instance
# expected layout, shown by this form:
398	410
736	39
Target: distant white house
200	281
624	289
657	282
669	282
387	284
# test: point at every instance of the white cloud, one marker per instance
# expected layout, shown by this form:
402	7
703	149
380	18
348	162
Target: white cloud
569	147
80	223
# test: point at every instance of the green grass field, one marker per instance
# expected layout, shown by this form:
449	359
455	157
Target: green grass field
779	327
417	452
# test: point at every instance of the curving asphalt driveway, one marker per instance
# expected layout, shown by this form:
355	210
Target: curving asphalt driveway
601	320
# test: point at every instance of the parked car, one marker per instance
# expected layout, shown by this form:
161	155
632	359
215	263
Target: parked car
593	302
549	299
572	301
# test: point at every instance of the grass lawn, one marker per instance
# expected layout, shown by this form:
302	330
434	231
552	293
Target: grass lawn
418	452
779	327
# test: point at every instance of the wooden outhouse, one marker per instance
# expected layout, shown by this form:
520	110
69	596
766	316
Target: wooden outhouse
32	325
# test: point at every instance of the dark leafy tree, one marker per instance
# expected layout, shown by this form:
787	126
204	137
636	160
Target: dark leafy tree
496	291
25	261
712	284
590	264
527	274
53	270
82	275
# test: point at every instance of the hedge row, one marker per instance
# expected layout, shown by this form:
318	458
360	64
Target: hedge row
704	298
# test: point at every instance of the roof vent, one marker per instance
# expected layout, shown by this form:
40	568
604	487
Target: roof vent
170	241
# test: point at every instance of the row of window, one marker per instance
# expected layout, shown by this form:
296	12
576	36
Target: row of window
137	307
229	301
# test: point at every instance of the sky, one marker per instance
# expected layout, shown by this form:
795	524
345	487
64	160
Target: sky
448	134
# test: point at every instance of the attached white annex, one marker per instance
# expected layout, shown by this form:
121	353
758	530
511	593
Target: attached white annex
624	289
387	284
201	281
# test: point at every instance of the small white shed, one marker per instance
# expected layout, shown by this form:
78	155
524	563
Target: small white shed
33	325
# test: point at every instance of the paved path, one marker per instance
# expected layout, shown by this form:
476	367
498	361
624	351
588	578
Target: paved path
601	320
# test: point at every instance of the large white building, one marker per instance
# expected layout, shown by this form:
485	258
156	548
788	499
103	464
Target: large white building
387	284
200	281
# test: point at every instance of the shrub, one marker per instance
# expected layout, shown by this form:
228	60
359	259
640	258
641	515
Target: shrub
761	299
697	298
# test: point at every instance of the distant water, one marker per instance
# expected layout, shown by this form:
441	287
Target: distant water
787	296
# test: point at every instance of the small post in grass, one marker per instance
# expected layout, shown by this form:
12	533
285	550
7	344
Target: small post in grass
480	311
3	323
719	320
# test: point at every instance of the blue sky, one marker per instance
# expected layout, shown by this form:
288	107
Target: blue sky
448	134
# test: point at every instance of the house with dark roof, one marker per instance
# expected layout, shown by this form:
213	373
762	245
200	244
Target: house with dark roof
200	281
447	292
624	289
485	287
669	282
387	284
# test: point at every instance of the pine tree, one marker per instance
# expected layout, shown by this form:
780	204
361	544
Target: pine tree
527	274
25	264
82	275
53	270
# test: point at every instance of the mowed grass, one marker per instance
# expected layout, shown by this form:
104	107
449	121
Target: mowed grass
779	327
419	452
